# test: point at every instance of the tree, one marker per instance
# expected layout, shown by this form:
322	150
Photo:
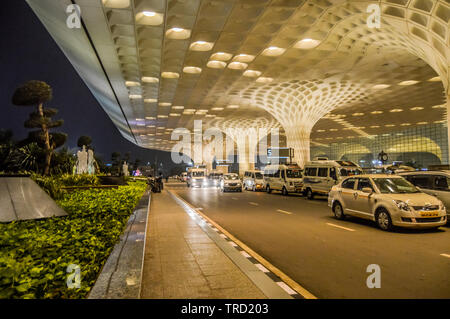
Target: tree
84	140
36	93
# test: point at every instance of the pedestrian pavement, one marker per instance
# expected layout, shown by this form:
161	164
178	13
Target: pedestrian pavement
181	261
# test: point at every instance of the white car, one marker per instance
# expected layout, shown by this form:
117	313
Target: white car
253	180
388	200
230	182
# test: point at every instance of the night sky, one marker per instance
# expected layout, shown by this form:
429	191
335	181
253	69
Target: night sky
29	53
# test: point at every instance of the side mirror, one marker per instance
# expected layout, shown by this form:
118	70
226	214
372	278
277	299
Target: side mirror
367	190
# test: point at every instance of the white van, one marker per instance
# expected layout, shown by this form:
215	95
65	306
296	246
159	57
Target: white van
253	180
320	176
197	178
285	178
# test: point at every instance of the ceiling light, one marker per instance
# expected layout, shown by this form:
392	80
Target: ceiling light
246	58
435	79
376	112
333	129
405	124
210	115
264	80
410	82
162	116
139	119
150	100
441	121
216	64
170	75
273	51
150	79
307	44
178	107
443	106
149	18
201	46
358	114
380	86
375	126
417	108
174	114
165	104
237	66
396	110
233	106
217	109
252	73
178	34
389	125
422	123
132	83
135	96
116	4
221	56
320	131
192	70
150	118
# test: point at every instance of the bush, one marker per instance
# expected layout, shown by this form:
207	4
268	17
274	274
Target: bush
50	185
35	254
79	180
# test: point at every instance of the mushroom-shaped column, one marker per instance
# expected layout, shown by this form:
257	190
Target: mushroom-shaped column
298	105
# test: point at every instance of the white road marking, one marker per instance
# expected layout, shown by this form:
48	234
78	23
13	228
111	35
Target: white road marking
286	288
253	203
262	268
349	229
199	208
445	255
223	236
284	212
245	254
214	228
232	243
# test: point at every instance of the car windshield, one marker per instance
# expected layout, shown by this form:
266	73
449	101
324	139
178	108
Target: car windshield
293	173
395	186
231	177
198	174
350	171
258	176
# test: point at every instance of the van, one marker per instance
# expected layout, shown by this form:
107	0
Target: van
197	178
286	178
253	180
436	183
320	176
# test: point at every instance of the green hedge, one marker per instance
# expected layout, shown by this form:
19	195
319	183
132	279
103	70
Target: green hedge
34	255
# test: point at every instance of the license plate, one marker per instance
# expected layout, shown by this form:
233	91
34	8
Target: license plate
429	214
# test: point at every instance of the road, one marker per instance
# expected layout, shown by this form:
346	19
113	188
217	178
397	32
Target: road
326	256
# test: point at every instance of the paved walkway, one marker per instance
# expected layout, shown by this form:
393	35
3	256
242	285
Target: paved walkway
181	261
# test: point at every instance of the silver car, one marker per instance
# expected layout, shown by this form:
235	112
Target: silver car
230	182
388	200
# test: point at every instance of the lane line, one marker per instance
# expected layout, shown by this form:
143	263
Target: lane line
284	212
445	255
341	227
253	203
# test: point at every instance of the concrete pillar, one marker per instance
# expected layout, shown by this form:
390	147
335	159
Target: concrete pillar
299	139
448	125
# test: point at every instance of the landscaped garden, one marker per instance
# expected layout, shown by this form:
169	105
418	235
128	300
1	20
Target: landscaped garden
34	255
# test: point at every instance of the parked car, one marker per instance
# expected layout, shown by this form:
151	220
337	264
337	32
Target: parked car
389	200
320	176
285	178
253	180
436	183
230	182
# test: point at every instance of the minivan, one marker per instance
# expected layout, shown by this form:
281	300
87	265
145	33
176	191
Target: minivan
253	180
286	178
320	176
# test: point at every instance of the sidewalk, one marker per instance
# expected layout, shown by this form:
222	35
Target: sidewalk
182	261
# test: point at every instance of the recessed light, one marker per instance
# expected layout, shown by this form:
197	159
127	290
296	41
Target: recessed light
162	116
320	131
246	58
170	75
237	66
232	106
149	18
417	108
217	109
380	86
333	129
216	64
178	107
376	112
139	119
264	80
410	82
150	79
252	73
375	126
165	104
174	114
422	123
150	118
116	4
132	83
389	125
201	46
358	114
435	79
307	44
178	33
192	70
221	56
443	106
273	51
150	100
135	96
396	110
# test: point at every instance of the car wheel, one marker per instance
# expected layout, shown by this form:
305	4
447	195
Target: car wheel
309	194
384	220
284	191
338	211
268	190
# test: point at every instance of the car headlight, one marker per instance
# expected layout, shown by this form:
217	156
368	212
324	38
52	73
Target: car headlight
402	205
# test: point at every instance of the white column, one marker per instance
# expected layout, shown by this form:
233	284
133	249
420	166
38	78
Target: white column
298	138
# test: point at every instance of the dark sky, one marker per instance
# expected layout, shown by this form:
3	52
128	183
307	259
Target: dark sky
29	53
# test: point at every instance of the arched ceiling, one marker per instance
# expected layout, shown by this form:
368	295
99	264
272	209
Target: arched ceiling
300	62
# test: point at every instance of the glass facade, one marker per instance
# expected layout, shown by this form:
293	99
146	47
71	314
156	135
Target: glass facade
419	146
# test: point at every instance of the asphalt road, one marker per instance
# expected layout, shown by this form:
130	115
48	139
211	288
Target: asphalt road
305	241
